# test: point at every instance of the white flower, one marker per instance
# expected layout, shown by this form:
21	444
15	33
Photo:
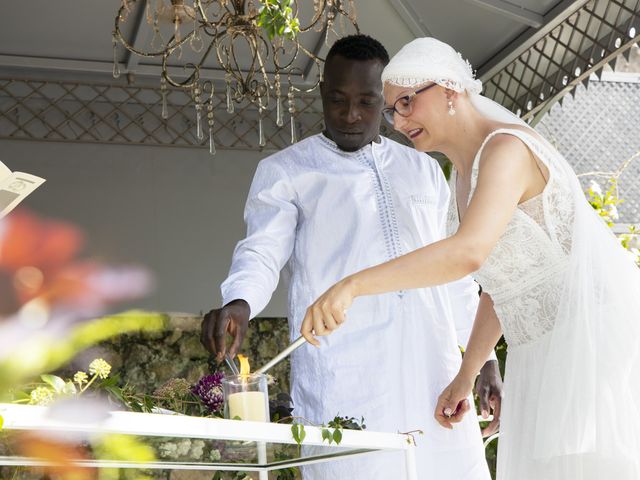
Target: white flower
197	450
613	212
168	450
41	396
100	368
595	187
183	447
80	378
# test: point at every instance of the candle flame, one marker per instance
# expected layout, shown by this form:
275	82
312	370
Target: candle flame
245	369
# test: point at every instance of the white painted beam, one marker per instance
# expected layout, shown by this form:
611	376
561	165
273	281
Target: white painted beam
552	19
320	50
89	66
512	11
138	39
415	23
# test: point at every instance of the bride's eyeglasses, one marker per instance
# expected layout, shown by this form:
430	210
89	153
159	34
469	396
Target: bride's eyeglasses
403	105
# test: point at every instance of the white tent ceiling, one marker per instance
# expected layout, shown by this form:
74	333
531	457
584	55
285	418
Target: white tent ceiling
529	53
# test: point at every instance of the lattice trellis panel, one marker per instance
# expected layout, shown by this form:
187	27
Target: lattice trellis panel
95	113
598	130
557	63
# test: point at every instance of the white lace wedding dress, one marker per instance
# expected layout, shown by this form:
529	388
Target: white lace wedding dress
570	405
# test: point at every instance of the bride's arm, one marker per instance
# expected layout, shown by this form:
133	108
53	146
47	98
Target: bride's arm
502	181
485	334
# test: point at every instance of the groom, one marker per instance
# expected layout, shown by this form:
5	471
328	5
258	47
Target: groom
331	205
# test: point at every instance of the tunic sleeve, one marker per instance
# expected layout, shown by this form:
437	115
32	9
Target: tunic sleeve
271	216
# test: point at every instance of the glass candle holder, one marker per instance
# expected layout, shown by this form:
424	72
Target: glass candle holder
246	397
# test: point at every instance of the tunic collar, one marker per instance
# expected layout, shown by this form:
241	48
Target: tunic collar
364	150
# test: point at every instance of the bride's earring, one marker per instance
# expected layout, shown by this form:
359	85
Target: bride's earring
452	111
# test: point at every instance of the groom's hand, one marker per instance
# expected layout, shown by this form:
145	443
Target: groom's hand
233	319
489	390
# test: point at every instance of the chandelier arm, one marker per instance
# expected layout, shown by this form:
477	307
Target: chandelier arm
212	44
227	67
311	55
249	80
198	6
316	17
169	48
190	81
263	71
293	58
298	71
238	6
222	63
195	76
346	14
232	67
205	19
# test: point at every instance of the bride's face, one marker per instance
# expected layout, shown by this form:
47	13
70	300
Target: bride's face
418	113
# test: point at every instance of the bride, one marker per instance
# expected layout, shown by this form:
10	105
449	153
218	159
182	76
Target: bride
565	294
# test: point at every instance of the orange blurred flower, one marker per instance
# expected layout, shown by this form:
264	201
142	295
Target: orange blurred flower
59	457
38	261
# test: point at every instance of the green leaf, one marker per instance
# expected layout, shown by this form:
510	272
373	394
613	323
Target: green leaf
337	436
56	382
110	381
21	395
119	395
298	433
148	403
69	389
326	435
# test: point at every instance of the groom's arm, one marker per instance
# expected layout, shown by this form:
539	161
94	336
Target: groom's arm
271	216
489	382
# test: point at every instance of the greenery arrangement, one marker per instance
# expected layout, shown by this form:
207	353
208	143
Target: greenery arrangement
331	432
176	395
606	202
277	19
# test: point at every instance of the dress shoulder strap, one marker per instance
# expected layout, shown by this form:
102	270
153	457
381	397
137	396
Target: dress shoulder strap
537	147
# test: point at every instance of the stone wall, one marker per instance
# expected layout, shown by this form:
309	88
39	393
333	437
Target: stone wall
148	360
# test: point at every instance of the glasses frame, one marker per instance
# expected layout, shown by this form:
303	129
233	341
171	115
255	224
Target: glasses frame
389	112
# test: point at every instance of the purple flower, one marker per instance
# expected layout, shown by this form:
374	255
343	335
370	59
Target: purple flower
209	391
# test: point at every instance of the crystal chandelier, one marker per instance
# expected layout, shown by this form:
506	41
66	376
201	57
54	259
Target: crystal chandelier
255	43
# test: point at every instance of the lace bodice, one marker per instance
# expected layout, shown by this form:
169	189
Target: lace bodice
525	270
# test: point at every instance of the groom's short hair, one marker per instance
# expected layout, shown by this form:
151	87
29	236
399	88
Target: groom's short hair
359	47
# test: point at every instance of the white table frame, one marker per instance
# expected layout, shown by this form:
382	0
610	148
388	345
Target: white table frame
35	418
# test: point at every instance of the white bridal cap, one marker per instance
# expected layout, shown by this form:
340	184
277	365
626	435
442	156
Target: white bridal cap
427	59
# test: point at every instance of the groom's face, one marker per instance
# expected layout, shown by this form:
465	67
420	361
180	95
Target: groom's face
352	101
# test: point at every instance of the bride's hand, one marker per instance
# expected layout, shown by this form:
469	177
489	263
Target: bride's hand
453	402
328	312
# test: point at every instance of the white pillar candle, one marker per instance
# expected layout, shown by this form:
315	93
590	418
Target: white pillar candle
249	406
